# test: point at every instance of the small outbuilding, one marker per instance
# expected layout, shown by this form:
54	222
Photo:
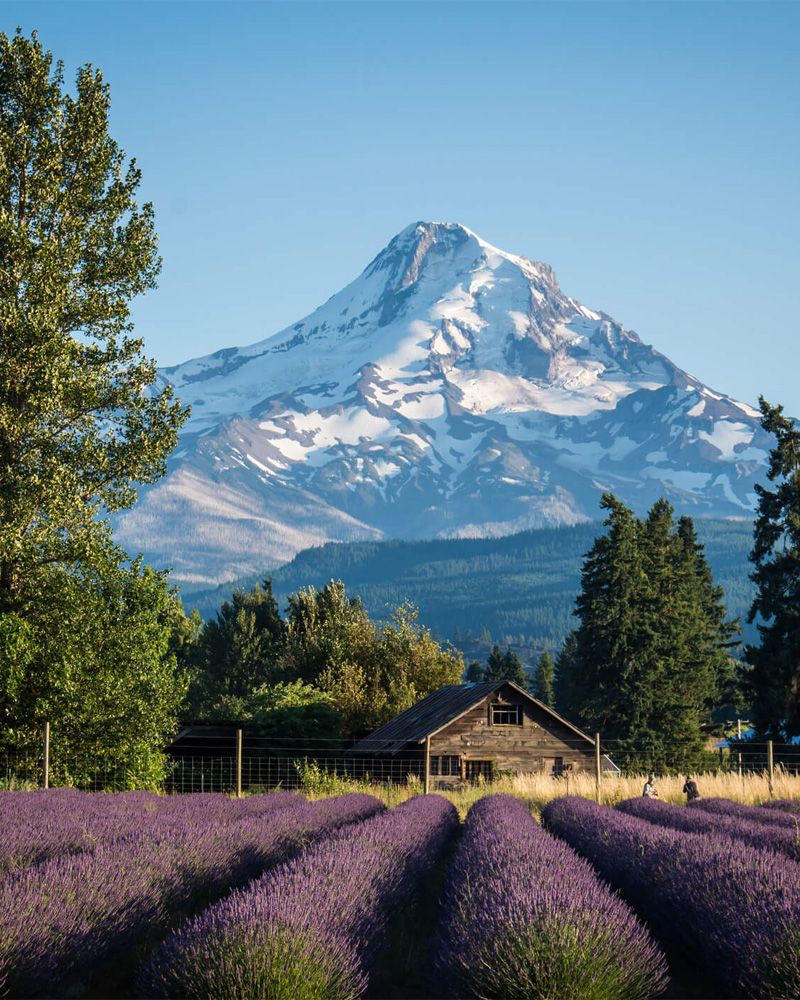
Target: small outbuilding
463	732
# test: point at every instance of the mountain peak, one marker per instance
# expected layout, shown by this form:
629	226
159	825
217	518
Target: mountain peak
451	388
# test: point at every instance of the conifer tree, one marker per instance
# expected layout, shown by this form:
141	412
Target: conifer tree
652	652
774	678
474	672
570	691
543	688
495	665
237	652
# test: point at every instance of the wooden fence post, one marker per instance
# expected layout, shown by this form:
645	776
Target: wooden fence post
427	782
597	766
46	757
238	763
770	770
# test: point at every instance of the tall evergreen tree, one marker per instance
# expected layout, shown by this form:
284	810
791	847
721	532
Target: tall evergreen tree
506	666
653	647
774	679
543	686
237	652
495	665
570	687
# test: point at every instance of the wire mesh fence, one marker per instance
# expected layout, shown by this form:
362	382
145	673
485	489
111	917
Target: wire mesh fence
232	764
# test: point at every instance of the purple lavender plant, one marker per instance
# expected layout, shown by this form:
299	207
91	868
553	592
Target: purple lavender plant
750	814
64	915
780	839
35	826
525	917
313	927
735	909
784	805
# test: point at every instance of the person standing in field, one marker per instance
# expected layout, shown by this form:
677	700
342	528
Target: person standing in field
649	791
690	789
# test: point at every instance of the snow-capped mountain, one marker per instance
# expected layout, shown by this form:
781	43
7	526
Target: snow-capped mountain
451	389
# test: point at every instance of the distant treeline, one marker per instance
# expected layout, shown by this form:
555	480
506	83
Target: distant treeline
519	589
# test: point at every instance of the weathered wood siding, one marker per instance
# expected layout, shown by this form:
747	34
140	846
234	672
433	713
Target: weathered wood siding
534	746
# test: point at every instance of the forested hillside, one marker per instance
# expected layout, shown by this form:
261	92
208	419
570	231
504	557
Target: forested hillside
519	589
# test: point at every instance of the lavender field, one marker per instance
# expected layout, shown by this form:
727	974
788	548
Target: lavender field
139	895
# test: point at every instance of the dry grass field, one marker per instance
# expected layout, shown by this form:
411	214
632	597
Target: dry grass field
538	789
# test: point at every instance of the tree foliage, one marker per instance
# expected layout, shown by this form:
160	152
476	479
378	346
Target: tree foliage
652	654
543	684
365	672
97	658
774	679
237	653
506	666
80	423
88	641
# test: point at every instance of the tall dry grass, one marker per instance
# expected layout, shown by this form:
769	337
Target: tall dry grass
539	789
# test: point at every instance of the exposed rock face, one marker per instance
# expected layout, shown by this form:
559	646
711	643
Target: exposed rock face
451	389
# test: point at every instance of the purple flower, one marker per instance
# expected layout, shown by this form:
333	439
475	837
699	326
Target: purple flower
733	908
313	926
62	916
767	837
524	916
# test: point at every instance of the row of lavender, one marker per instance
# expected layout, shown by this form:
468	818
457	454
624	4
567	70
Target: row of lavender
717	882
522	916
63	917
35	826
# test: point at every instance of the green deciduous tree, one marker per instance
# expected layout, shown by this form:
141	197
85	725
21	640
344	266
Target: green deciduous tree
96	657
88	640
543	685
366	673
80	421
774	678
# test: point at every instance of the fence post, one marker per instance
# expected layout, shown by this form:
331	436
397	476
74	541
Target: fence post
46	757
238	763
597	766
739	739
426	786
770	770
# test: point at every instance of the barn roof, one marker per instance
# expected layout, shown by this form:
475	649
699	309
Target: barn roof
438	710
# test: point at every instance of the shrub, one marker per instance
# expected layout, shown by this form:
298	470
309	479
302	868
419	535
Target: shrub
45	824
734	909
768	838
312	927
68	913
784	805
751	814
525	917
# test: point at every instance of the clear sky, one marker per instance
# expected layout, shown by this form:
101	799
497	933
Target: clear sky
648	151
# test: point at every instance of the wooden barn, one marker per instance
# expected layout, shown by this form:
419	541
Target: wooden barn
465	731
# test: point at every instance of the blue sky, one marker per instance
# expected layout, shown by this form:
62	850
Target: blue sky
648	151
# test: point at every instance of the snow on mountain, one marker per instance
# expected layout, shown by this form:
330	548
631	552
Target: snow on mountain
451	389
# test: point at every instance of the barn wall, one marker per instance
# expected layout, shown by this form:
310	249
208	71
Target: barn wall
535	746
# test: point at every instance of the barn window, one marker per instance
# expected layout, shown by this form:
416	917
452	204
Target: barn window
447	766
506	715
451	765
